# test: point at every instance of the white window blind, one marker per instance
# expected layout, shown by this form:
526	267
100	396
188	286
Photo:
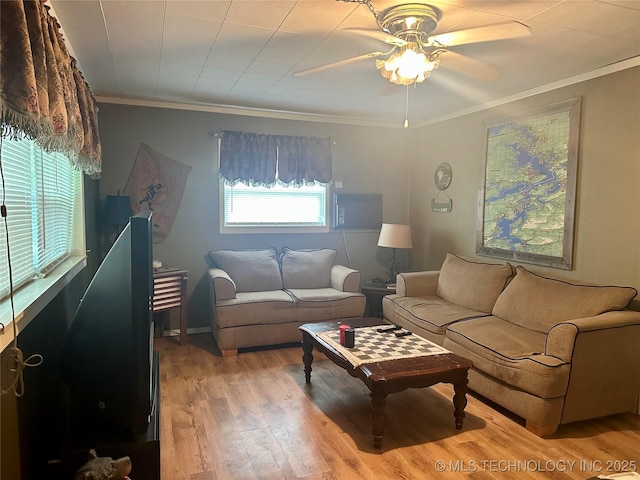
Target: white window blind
277	206
41	191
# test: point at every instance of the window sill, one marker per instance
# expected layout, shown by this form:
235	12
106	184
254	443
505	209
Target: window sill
32	298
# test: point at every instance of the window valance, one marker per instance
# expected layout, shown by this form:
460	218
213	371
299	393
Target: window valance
259	159
43	95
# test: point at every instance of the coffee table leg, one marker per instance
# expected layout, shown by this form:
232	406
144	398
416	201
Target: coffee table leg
307	356
377	417
460	400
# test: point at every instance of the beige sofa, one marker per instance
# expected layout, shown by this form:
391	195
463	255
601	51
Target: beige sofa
261	297
550	351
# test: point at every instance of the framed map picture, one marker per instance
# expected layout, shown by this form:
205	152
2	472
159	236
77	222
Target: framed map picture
526	201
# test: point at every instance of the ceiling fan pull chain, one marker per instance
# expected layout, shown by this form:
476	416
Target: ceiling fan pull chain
406	109
362	2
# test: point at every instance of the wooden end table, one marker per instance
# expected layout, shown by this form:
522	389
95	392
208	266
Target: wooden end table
391	376
374	292
170	291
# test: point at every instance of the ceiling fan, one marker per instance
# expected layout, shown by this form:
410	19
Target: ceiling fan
414	53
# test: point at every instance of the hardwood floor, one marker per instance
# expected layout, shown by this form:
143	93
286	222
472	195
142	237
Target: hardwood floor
253	417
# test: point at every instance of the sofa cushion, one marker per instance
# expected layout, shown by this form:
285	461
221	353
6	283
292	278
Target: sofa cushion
429	313
307	268
539	303
510	353
250	270
473	285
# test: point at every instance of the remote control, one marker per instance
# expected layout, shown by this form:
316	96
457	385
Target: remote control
403	334
389	329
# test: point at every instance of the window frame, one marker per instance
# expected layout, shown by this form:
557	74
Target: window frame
240	229
32	297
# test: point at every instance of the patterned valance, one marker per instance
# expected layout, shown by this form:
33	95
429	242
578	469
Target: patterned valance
259	159
43	95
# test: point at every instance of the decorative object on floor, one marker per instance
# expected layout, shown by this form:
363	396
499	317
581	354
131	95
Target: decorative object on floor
528	191
442	178
104	468
394	235
157	183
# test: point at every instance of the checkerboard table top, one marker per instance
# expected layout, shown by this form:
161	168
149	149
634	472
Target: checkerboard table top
372	346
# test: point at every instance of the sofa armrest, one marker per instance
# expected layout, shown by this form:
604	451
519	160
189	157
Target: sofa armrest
345	279
605	363
417	284
221	285
562	339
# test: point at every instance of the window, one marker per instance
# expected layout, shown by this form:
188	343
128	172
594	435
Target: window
275	209
43	195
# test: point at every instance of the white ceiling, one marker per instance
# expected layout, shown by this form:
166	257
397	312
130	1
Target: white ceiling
239	55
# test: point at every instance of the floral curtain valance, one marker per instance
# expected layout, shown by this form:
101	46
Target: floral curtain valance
259	159
43	95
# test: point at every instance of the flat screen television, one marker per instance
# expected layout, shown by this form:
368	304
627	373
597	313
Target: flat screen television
108	354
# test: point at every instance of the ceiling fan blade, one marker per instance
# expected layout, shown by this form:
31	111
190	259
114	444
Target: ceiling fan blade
488	33
376	34
339	63
469	66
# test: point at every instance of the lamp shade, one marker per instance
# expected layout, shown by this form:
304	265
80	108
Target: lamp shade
393	235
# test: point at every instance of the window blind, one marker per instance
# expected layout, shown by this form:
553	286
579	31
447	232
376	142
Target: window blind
40	190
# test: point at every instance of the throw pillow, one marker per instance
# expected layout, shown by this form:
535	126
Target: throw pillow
470	284
538	303
250	270
307	268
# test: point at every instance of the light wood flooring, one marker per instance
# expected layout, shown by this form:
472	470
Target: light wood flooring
253	417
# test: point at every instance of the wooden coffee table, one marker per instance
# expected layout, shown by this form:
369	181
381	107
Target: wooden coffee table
391	376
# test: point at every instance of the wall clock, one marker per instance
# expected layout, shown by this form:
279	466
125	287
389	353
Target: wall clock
442	176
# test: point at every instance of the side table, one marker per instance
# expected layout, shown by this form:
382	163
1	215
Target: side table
374	292
170	291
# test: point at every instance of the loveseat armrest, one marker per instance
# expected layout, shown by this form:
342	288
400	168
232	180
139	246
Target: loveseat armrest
221	286
417	284
562	339
345	279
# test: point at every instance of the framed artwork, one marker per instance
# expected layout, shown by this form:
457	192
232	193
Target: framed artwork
526	200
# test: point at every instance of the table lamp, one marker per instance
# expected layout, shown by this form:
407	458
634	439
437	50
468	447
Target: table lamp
393	235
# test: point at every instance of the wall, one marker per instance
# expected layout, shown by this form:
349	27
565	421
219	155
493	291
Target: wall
365	159
607	233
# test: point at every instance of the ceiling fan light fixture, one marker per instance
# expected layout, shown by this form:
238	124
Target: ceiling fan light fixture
407	66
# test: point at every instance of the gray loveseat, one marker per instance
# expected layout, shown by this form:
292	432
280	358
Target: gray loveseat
261	297
550	351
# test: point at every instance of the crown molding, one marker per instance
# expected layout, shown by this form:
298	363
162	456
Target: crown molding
248	111
314	117
583	77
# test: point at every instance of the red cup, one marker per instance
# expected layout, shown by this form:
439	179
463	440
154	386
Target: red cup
343	328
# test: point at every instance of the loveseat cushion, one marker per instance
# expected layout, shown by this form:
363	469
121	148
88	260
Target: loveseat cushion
307	268
472	285
250	270
255	308
538	303
510	353
314	304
